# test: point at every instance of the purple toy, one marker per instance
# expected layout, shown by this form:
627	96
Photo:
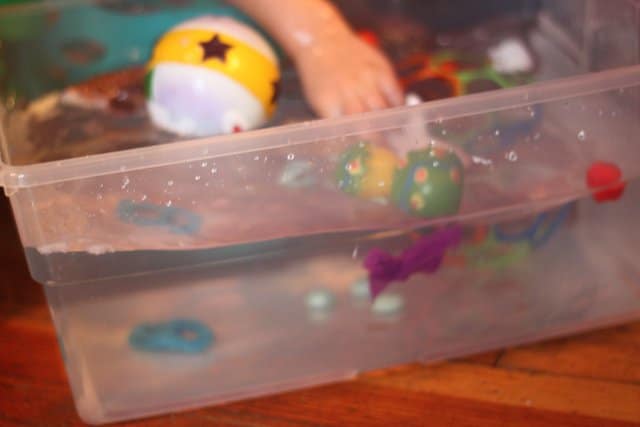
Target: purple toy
425	256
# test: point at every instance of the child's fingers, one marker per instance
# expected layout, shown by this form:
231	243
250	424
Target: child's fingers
388	82
327	105
370	93
353	102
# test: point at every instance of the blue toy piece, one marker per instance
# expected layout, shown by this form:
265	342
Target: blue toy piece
539	232
176	220
177	336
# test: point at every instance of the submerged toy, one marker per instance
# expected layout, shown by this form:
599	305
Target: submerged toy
427	184
423	257
212	75
366	171
175	220
430	184
177	336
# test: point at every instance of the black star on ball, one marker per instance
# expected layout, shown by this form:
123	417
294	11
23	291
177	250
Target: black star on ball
215	48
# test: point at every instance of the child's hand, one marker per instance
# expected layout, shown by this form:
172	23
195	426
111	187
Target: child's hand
343	75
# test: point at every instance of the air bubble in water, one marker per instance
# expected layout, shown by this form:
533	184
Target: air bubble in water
169	203
170	183
497	132
204	164
197	178
582	135
291	156
144	197
99	196
214	171
512	156
125	182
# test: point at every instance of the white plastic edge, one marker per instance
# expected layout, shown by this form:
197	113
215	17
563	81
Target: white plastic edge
17	177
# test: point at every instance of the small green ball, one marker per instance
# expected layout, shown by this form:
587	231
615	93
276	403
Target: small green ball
430	184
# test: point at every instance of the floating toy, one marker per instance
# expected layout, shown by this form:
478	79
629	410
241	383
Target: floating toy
606	180
210	76
430	183
367	171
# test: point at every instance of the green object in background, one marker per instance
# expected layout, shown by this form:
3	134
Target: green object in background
20	24
430	184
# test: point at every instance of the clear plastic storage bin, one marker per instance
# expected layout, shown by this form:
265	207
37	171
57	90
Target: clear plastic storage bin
183	273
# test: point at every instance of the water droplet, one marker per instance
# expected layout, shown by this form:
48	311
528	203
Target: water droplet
512	156
354	254
497	132
214	171
444	132
256	158
291	156
204	164
99	196
197	178
537	136
582	135
125	182
144	197
170	183
206	184
169	203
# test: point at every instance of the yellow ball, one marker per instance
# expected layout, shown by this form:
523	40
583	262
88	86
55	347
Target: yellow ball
212	75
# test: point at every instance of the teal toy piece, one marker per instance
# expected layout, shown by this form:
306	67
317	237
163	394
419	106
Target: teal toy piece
174	219
177	336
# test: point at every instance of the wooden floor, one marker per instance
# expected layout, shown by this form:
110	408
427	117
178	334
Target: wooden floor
588	380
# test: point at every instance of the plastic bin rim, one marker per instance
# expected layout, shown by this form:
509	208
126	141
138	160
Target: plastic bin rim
17	177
